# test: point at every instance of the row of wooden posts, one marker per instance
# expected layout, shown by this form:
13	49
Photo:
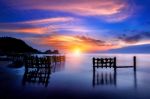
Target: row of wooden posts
42	62
110	63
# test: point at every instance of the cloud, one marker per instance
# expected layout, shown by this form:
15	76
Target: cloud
36	22
41	26
25	30
138	38
92	41
109	10
48	20
21	28
69	43
118	17
47	26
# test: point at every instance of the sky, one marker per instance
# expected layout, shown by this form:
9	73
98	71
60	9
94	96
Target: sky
67	25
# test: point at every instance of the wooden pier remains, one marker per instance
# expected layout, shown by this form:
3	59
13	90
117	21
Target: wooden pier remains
110	63
42	62
38	69
109	78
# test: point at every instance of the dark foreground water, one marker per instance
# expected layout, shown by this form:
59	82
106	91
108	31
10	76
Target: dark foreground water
75	79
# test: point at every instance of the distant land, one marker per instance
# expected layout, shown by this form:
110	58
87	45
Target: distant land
145	48
13	45
9	45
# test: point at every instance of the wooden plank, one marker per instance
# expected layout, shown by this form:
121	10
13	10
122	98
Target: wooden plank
124	66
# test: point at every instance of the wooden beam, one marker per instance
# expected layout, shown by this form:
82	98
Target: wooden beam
124	66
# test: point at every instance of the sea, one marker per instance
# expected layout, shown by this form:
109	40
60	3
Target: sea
76	79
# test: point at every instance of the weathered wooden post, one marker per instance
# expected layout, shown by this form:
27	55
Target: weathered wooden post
93	71
93	63
134	63
115	66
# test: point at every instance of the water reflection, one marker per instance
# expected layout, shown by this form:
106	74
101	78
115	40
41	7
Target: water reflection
104	78
109	78
37	76
135	80
60	66
41	75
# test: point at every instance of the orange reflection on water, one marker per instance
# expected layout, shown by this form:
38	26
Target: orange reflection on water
75	59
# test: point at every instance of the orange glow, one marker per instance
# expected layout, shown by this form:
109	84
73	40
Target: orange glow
74	44
77	52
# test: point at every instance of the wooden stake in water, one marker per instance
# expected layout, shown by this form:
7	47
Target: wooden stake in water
134	63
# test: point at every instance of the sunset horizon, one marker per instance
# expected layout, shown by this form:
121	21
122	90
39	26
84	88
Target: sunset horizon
96	25
74	49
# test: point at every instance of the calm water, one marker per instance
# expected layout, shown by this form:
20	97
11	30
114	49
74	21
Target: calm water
75	79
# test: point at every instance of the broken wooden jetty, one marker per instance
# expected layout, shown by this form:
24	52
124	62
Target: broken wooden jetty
110	63
109	77
42	62
38	69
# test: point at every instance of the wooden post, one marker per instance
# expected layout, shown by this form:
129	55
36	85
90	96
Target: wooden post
93	64
115	72
115	63
93	61
134	63
93	76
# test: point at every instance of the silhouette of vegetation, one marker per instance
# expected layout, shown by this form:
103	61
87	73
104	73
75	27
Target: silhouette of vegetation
9	45
51	52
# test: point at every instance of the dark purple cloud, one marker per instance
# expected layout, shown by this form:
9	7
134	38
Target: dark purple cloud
141	36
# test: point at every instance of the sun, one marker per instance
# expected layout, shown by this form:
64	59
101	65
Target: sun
77	52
